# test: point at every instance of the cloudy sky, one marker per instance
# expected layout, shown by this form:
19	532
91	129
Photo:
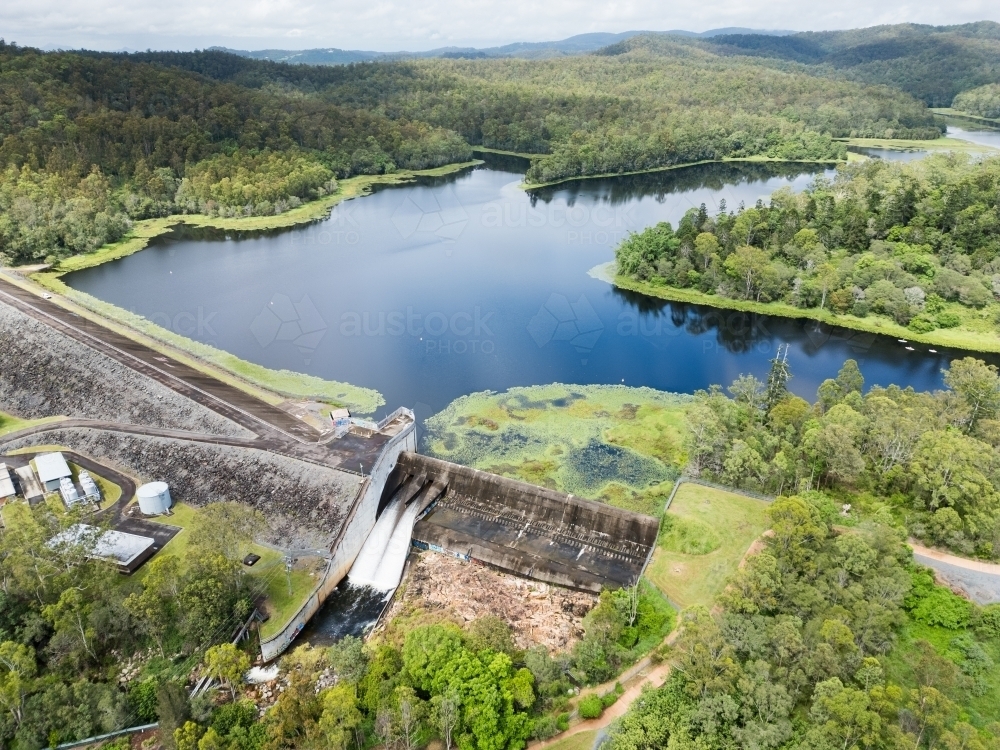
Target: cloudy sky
388	25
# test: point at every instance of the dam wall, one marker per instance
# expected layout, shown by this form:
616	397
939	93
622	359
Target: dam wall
401	428
531	531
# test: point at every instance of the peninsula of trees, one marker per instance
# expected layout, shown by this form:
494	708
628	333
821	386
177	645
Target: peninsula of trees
915	243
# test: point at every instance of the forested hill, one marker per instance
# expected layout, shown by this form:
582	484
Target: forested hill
659	102
933	63
92	141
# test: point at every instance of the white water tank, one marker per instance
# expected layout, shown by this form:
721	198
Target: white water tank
154	498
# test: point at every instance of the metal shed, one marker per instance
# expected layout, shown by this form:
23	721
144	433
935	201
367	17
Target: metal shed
52	468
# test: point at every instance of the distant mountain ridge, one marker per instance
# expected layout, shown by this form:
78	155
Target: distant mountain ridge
574	45
933	63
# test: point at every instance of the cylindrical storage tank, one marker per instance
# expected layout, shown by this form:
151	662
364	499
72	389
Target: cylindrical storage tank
154	498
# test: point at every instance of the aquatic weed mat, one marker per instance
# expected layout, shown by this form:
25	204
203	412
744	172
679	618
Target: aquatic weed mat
605	442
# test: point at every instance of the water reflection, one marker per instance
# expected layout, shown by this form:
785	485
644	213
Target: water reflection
447	286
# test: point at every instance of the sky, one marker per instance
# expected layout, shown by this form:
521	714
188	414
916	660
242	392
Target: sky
392	25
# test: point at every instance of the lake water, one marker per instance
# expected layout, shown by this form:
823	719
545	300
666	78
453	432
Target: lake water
451	285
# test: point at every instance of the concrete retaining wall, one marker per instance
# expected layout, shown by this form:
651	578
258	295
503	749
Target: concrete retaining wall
349	542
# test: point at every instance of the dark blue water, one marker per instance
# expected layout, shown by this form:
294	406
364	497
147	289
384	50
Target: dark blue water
452	285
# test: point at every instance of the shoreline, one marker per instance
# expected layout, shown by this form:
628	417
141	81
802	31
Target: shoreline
959	115
273	386
501	152
529	186
952	338
146	229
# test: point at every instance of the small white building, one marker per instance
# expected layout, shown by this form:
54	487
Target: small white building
6	483
52	469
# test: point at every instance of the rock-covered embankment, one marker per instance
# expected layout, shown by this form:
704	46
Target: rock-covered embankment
44	373
305	504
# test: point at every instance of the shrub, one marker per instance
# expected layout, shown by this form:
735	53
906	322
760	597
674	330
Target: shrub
612	696
563	722
944	609
988	621
923	324
545	727
591	707
948	320
141	700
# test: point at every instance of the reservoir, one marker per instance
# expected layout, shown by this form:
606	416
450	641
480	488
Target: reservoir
445	286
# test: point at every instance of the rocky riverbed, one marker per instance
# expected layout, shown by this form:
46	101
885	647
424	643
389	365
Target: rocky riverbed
536	612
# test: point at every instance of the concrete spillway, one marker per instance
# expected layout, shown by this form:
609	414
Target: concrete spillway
380	562
525	529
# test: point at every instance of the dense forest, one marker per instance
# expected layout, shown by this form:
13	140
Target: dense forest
931	457
90	142
653	103
918	242
807	651
983	101
933	63
85	650
72	627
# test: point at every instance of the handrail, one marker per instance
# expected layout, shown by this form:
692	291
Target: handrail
401	410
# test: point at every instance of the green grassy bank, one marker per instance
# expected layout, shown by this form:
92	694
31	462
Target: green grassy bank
976	332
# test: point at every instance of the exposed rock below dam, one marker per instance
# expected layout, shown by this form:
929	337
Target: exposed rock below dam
44	373
305	504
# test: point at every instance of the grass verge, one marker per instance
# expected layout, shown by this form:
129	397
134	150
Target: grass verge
714	529
283	594
977	332
9	423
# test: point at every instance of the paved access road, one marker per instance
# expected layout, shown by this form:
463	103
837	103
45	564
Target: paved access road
231	402
979	580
